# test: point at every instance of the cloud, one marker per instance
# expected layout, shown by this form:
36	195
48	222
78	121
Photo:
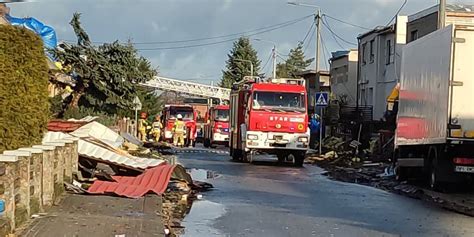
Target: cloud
174	20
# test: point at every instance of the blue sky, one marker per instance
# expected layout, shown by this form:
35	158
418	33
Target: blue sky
172	20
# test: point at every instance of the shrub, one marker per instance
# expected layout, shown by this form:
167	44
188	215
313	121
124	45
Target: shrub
24	106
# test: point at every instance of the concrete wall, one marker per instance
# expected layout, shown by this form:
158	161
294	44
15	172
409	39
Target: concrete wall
31	180
344	77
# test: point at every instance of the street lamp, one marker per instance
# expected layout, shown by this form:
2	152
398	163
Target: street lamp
273	54
251	65
318	51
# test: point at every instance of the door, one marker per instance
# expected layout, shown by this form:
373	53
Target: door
462	110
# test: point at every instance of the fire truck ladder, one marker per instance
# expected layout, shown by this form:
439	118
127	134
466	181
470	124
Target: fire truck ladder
191	88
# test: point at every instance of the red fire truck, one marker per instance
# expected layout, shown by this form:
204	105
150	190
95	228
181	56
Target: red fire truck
270	117
216	129
168	118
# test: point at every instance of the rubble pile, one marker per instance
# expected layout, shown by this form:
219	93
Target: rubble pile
337	152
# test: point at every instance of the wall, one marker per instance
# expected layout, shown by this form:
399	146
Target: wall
344	77
31	180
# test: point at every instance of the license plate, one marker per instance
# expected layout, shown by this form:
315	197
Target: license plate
464	169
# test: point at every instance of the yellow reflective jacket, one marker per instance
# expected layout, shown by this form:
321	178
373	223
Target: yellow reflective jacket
179	126
142	123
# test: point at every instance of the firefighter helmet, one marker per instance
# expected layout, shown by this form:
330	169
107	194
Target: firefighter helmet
143	115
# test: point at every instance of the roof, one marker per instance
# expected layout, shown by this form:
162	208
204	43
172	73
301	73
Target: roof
278	87
93	148
221	107
99	132
152	180
450	8
64	126
378	30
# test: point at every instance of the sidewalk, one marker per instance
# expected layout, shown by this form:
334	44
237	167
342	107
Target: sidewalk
91	216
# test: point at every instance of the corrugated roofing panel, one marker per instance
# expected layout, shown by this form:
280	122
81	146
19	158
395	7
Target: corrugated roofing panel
100	132
64	126
152	180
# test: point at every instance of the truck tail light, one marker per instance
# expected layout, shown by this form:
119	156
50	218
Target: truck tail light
463	161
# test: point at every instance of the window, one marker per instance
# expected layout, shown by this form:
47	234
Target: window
372	53
278	100
222	115
414	35
389	52
364	57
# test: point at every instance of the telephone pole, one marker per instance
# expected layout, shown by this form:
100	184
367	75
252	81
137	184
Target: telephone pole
442	14
318	38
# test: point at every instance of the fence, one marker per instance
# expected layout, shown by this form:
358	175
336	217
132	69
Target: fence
31	179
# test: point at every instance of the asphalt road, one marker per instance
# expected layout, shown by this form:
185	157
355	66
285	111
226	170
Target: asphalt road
265	199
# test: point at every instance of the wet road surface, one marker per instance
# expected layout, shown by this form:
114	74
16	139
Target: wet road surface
265	199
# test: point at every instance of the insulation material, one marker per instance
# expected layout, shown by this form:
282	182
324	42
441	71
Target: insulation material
100	132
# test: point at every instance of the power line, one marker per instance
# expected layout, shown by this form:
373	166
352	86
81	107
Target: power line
347	23
310	39
266	63
309	31
336	35
335	39
399	10
214	37
223	41
324	53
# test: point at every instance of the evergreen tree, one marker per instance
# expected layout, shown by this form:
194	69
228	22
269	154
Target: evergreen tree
236	70
106	76
295	63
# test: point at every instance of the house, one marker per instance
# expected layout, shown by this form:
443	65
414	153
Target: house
315	82
426	21
343	76
379	64
4	10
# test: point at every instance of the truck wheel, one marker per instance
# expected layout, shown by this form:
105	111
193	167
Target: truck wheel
298	159
247	157
281	157
206	143
435	171
236	155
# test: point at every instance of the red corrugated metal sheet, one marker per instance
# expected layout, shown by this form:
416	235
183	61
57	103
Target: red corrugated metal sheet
152	180
64	126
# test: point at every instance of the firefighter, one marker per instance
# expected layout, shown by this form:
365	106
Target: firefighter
142	126
178	131
156	129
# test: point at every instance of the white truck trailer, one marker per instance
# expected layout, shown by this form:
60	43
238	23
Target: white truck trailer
435	123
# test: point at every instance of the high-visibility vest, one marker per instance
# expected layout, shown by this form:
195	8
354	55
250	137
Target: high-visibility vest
156	125
142	123
178	126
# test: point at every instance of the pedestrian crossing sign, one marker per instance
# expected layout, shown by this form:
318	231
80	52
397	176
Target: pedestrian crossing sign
322	99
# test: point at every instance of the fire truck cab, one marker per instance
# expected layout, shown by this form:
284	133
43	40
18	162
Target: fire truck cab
269	117
169	115
216	130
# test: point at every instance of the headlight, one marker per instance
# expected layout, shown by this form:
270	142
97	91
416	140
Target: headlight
218	130
252	137
454	121
303	139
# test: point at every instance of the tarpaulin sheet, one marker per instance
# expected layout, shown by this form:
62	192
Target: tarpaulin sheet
46	33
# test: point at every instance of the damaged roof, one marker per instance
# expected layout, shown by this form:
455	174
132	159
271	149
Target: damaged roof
153	180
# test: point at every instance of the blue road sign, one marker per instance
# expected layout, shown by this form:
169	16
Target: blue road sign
322	99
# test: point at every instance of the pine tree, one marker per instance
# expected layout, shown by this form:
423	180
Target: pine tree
295	63
106	76
236	70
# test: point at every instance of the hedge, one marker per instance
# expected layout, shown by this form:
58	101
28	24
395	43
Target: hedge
24	106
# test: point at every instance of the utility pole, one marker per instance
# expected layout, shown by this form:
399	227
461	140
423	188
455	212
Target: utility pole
318	52
274	61
442	14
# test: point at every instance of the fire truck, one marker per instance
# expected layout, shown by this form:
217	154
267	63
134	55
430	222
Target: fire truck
269	117
216	129
168	118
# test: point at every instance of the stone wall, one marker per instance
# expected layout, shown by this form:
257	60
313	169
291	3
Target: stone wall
31	180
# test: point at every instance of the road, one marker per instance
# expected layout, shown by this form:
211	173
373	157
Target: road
265	199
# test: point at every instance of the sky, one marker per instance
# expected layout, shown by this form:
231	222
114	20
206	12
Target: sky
151	21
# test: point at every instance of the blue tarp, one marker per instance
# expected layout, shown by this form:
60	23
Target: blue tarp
47	33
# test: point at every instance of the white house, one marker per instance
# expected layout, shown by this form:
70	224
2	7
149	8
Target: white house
379	64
